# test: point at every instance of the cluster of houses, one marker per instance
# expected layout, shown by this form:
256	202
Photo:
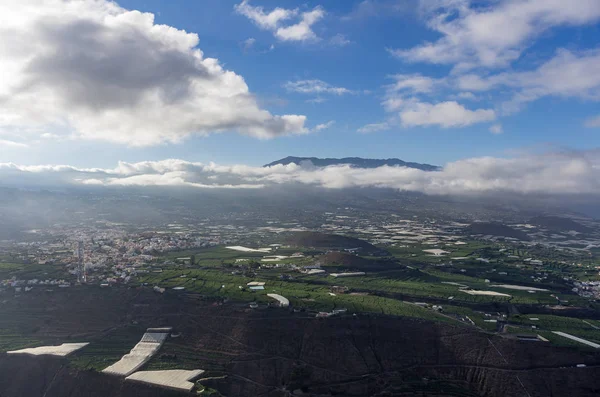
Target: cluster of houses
587	289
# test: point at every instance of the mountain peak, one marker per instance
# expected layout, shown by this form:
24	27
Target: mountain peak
357	162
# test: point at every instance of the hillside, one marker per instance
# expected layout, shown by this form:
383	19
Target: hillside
47	376
497	229
559	223
344	260
330	241
357	162
271	352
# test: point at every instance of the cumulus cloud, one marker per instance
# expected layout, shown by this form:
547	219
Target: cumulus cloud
495	34
496	129
315	86
555	173
276	21
443	114
100	71
405	98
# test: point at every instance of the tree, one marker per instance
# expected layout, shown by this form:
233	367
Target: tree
254	264
193	260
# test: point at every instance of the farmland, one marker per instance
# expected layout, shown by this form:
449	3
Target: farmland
230	342
215	293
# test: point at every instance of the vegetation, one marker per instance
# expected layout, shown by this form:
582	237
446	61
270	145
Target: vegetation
107	350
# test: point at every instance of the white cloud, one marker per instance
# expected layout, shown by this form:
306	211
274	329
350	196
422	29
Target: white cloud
102	72
593	122
443	114
339	40
248	44
264	20
466	95
493	34
409	100
274	21
567	75
316	100
555	173
13	144
315	86
324	126
496	129
415	83
302	31
375	127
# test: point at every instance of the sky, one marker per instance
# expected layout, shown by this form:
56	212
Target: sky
93	84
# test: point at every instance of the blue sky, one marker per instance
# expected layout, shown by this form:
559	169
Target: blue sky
471	93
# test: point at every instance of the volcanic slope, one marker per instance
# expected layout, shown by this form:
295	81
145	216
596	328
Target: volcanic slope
497	229
275	352
559	223
330	241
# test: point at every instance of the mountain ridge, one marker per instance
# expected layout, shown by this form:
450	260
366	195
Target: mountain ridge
357	162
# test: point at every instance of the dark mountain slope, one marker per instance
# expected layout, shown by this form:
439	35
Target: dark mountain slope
497	229
357	162
330	241
47	376
559	223
345	260
275	352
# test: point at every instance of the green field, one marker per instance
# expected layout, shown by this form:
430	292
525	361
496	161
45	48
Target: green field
570	325
31	271
107	350
212	276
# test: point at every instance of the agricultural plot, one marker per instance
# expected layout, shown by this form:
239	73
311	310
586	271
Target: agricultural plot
380	305
246	249
61	350
577	339
478	318
176	354
104	351
382	288
142	352
416	252
575	326
518	287
176	379
24	271
16	341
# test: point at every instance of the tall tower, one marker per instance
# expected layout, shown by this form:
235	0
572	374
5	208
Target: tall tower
80	265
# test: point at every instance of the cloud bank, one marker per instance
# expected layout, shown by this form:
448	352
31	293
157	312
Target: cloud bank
99	71
565	173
